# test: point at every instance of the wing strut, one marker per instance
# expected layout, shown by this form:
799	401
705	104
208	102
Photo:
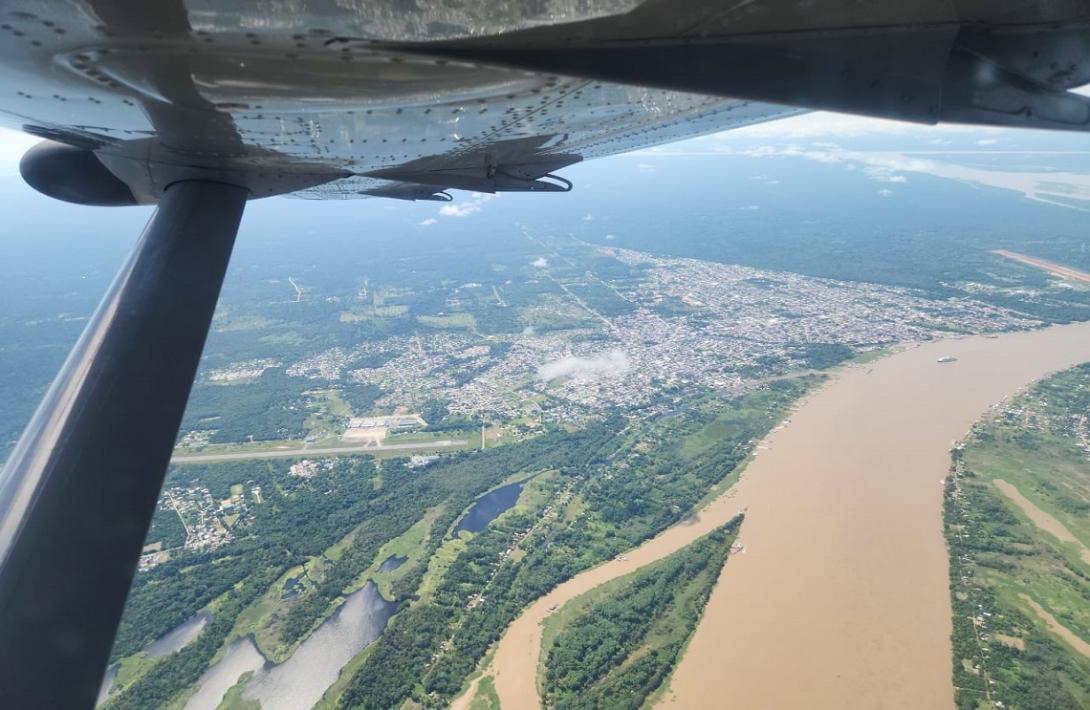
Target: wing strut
79	490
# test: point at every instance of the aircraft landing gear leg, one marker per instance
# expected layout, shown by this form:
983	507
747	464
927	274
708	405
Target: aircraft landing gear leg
79	490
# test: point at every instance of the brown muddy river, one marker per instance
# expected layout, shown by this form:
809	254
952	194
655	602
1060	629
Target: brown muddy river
840	598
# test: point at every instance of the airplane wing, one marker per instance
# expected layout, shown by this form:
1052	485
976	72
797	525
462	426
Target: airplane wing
200	105
166	90
336	100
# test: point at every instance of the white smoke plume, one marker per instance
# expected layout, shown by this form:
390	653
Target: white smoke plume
606	364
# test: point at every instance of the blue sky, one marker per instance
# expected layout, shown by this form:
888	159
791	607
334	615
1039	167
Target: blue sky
1027	162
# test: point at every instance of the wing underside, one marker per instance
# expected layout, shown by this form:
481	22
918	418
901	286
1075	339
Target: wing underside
155	92
394	99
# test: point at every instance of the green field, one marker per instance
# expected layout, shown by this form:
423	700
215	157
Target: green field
486	697
452	320
1017	520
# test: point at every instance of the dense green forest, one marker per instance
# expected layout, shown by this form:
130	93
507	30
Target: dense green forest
622	646
299	519
669	463
269	409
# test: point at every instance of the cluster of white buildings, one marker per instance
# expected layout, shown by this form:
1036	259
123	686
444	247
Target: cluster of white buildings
203	517
735	326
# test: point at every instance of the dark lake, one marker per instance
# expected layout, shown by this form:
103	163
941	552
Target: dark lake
391	563
179	637
293	587
488	507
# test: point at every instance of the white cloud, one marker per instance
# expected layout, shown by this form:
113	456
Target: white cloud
885	176
612	363
611	237
822	124
645	167
885	192
888	167
588	218
428	222
540	262
987	141
463	209
750	208
812	125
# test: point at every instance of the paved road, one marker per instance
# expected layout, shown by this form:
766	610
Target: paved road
295	453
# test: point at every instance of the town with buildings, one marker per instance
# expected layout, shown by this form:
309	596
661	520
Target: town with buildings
208	523
689	324
679	327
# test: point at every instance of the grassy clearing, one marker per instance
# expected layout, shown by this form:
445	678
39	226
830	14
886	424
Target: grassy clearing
331	699
868	356
1046	471
411	545
264	618
538	491
231	324
486	697
737	416
329	416
233	700
131	669
1004	564
364	314
449	321
438	565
